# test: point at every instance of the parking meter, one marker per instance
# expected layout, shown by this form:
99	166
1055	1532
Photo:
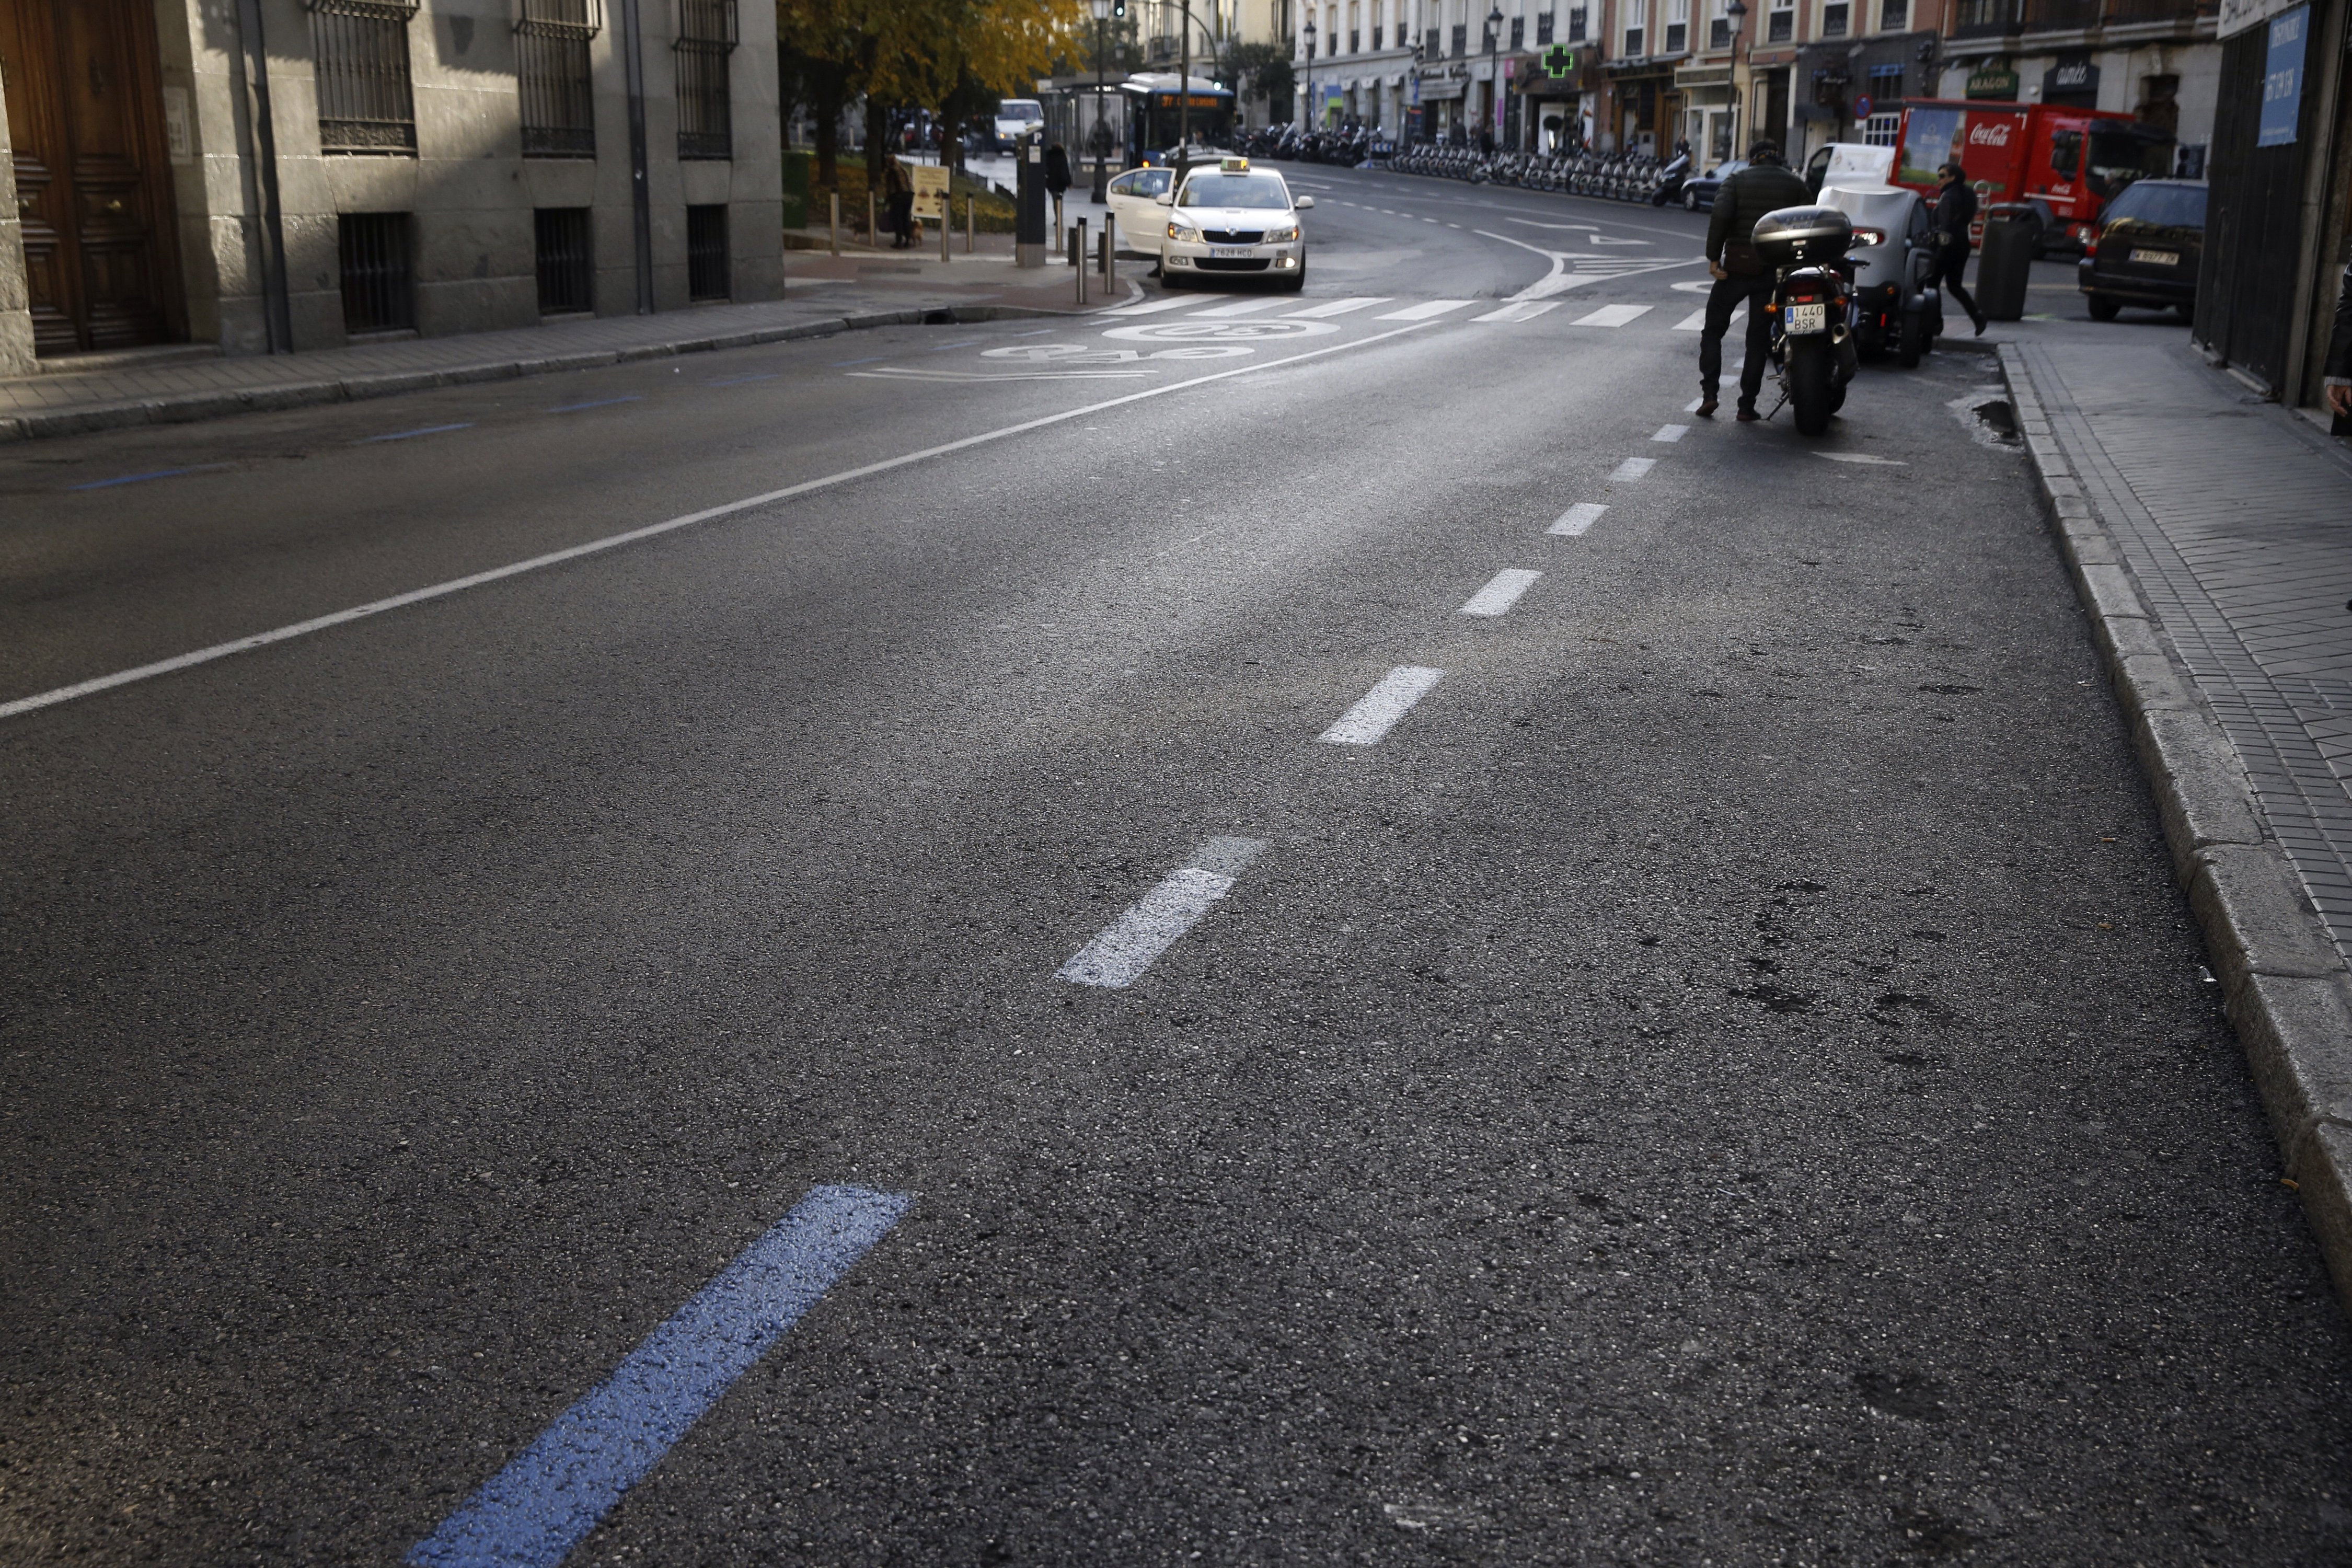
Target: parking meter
1029	199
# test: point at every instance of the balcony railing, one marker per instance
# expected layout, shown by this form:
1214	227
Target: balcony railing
2081	16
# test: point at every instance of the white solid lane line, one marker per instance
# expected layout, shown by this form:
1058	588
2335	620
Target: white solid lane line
1238	308
1501	592
1578	518
1336	308
1424	310
1524	310
1671	433
651	530
1612	316
1633	467
1370	720
1150	927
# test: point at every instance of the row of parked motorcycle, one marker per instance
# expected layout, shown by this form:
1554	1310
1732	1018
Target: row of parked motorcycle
1345	145
1613	176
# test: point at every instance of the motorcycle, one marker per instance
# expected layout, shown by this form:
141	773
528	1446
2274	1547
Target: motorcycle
1812	309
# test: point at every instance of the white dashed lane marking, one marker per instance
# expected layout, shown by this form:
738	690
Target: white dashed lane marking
1335	308
1578	518
1633	468
1424	310
1612	316
1237	307
1370	720
1151	925
1501	592
1671	433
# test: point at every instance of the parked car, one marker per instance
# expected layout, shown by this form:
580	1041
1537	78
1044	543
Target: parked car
1134	202
1698	191
1898	308
2146	248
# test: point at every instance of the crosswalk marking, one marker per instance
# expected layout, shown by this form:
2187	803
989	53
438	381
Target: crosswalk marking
1424	310
1612	316
1524	310
1696	320
1336	308
1148	306
1237	307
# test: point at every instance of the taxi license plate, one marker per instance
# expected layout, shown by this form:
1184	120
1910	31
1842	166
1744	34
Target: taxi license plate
2155	259
1230	252
1809	318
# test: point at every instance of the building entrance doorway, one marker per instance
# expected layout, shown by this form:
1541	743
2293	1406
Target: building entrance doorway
85	123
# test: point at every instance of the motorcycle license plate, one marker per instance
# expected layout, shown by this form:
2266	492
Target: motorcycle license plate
2155	259
1230	252
1813	318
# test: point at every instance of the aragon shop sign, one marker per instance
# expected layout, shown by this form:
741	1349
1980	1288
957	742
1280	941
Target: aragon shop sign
1992	80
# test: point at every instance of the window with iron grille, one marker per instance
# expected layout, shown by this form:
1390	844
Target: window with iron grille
705	38
1430	46
365	102
1632	43
1780	25
1576	15
379	273
1677	27
1355	44
559	110
1894	15
1376	38
1461	39
566	283
1718	33
1543	28
1834	19
1518	32
1886	84
706	253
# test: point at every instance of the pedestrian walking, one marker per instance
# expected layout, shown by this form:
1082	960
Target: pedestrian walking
899	187
1740	275
1955	210
1057	178
2338	368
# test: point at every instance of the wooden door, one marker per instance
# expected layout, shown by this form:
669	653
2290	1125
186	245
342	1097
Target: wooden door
85	122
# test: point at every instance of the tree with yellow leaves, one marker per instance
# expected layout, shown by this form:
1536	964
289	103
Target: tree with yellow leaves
953	57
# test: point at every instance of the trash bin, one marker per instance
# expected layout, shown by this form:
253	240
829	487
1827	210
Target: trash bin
2005	265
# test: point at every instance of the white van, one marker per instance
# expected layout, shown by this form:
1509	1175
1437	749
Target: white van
1014	116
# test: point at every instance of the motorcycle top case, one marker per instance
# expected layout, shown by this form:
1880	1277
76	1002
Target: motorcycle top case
1803	236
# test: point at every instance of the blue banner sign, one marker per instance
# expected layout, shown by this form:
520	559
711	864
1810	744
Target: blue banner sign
2282	79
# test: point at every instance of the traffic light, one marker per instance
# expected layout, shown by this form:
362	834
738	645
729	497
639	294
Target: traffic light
1119	9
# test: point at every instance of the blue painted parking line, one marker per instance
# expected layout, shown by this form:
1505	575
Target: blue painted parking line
406	434
740	380
599	403
151	474
549	1497
960	343
877	359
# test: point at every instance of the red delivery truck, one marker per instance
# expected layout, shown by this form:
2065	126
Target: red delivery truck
2064	162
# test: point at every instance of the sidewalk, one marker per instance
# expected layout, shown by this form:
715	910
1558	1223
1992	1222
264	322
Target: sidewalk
2210	535
823	295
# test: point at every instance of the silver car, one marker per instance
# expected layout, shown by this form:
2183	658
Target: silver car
1230	220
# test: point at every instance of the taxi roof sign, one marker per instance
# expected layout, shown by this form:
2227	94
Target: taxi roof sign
1233	165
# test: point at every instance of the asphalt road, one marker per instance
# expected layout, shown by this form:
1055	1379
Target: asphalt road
1724	1078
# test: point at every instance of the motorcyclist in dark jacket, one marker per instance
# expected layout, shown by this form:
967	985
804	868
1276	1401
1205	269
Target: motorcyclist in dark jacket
1765	185
1956	209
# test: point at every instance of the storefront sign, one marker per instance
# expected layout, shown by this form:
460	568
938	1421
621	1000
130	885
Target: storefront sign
2237	16
1993	81
2282	79
2077	79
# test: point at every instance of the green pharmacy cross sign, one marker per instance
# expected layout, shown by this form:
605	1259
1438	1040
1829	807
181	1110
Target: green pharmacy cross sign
1559	60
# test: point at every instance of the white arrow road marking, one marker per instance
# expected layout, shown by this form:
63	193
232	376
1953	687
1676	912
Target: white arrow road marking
1585	268
1370	720
1501	592
1150	927
1578	518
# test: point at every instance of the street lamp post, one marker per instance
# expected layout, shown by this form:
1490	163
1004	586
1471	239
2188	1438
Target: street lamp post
1102	174
1307	92
1495	76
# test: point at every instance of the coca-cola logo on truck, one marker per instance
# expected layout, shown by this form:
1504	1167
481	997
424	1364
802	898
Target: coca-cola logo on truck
1989	133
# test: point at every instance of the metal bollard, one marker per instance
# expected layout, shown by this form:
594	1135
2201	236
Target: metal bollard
1111	255
1078	257
873	230
971	222
837	223
947	226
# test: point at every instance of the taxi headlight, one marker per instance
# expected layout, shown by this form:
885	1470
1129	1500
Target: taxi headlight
1179	233
1283	235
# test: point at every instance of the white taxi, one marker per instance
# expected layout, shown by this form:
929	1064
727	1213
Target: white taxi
1134	201
1230	220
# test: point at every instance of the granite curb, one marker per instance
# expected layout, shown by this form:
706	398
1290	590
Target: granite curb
2285	987
188	407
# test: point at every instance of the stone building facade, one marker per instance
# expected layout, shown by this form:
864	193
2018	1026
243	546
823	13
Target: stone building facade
289	174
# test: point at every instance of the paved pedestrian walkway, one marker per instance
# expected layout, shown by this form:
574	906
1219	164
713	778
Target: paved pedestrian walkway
2236	518
823	294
